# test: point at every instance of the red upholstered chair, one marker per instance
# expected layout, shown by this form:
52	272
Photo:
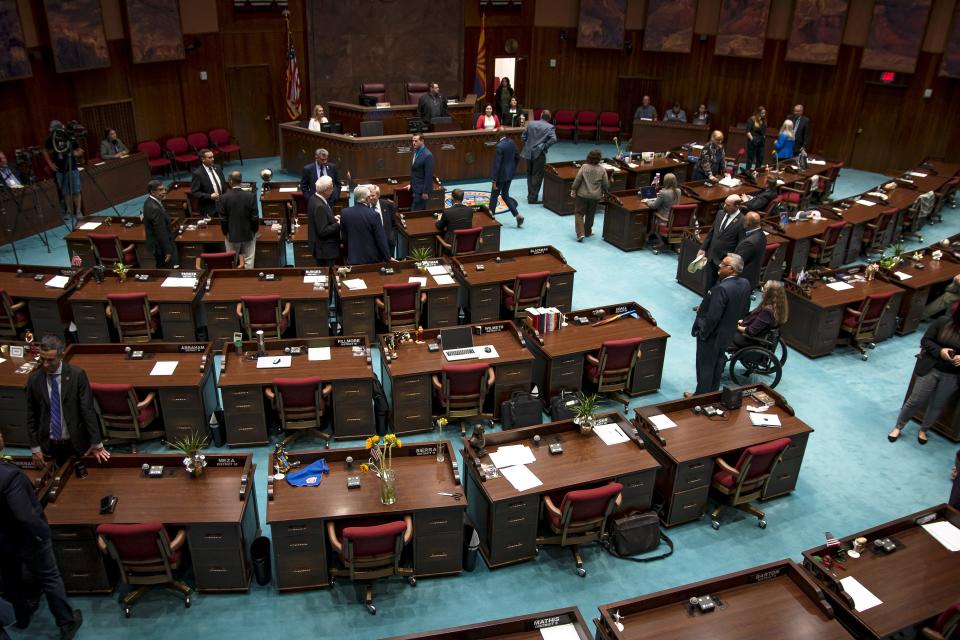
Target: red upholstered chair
415	90
370	552
107	250
221	260
134	318
377	90
14	317
465	242
300	403
586	123
529	290
944	195
669	230
822	248
768	255
400	306
183	156
124	417
739	485
263	313
609	124
404	199
462	389
946	626
564	121
222	141
581	516
146	557
155	159
732	165
875	233
198	141
861	323
611	368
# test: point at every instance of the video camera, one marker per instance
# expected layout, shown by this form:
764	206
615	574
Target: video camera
63	136
25	155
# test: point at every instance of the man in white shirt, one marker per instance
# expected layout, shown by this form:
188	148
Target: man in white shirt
207	185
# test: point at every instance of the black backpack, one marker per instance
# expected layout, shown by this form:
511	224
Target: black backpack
381	408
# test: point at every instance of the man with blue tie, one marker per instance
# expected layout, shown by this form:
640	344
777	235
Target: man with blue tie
421	173
9	175
505	160
61	421
320	167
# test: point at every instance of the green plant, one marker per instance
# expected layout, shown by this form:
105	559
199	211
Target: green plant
191	444
586	407
420	254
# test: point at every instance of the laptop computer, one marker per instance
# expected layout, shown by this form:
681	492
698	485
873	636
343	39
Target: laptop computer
457	344
648	192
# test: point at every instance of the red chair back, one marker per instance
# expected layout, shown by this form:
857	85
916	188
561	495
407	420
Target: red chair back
376	89
178	146
589	504
465	241
129	307
587	120
369	542
769	252
682	215
948	623
464	388
873	305
616	364
136	542
401	305
151	148
114	399
261	310
221	260
298	393
758	461
609	120
530	286
834	172
7	314
219	137
106	245
564	119
832	233
415	90
198	141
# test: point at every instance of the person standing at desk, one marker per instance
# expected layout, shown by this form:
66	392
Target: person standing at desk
716	322
61	421
801	128
505	160
320	166
432	104
783	147
724	236
207	184
646	111
456	218
589	187
752	248
712	158
156	224
240	221
756	136
421	173
537	138
387	212
363	234
323	228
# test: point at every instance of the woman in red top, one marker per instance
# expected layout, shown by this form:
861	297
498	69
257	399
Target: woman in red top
488	120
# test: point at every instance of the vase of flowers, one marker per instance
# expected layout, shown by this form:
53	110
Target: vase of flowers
381	464
192	447
121	270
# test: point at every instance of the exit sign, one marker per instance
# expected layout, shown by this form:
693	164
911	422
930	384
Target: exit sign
887	76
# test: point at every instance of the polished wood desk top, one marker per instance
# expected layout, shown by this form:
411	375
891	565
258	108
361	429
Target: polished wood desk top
942	168
419	478
25	286
218	496
856	213
228	285
402	272
922	184
813	169
773	600
241	368
803	229
568	170
349	106
698	436
9	376
915	583
92	291
716	193
784	176
664	163
403	139
272	191
505	266
586	459
630	200
108	363
389	185
127	229
578	338
213	234
525	627
416	359
823	296
424	223
933	272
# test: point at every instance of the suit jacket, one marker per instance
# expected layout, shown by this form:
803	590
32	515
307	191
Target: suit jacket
930	346
429	107
421	173
539	136
24	524
156	223
202	188
239	218
505	160
456	218
363	235
718	243
107	152
389	210
721	308
760	201
323	231
78	413
308	182
752	249
801	132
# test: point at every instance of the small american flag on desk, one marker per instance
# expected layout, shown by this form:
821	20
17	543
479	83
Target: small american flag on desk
832	543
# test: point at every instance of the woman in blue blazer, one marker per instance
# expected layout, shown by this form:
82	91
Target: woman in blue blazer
784	144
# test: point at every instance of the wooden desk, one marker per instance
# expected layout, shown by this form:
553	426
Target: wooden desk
669	162
394	117
775	600
49	307
13	397
508	521
418	229
241	385
483	287
271	248
357	309
558	179
814	325
389	185
42	479
712	197
29	211
697	282
176	201
628	221
406	378
187	398
218	510
298	515
917	288
109	183
915	584
650	135
948	169
179	307
922	184
559	356
309	302
517	628
690	448
128	230
857	216
800	235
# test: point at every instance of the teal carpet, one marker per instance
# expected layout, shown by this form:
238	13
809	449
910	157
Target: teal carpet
852	477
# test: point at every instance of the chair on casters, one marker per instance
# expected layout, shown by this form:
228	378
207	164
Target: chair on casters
917	215
822	248
611	369
221	260
108	251
263	313
669	230
146	557
15	316
875	233
123	415
739	485
760	360
529	290
768	254
465	242
134	318
581	516
370	552
946	626
221	140
462	390
945	194
300	403
400	307
863	321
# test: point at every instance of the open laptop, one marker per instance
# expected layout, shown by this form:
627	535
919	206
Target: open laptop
458	344
648	192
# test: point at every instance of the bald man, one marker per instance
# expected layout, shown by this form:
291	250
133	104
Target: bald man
710	164
724	236
752	248
801	128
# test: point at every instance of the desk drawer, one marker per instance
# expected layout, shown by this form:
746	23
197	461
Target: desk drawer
688	505
567	376
15	435
512	545
784	478
352	392
89	311
437	521
82	566
295	530
220	570
691	475
174	313
652	350
518	513
213	537
509	374
441	553
485	303
637	490
243	401
301	571
246	429
70	534
798	444
178	331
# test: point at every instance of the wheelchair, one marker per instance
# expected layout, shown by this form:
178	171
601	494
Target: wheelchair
759	362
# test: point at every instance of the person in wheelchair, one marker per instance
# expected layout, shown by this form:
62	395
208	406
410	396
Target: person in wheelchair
770	314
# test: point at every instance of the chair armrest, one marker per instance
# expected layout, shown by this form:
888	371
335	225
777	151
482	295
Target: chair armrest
240	261
129	247
725	466
154	310
443	243
333	539
268	391
147	400
18	305
379	303
286	309
198	264
108	310
820	241
507	290
102	544
423	297
592	359
552	508
930	634
793	190
436	382
491	377
619	499
179	540
851	310
240	310
408	534
662	219
327	389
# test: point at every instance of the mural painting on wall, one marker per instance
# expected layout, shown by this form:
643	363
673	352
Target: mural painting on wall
817	31
76	34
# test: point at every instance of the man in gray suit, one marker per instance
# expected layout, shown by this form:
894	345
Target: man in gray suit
539	136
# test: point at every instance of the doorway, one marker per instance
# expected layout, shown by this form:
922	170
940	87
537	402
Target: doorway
873	147
513	68
252	118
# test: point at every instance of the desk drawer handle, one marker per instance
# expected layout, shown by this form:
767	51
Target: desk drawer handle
176	399
694	481
438	555
69	534
79	575
411	417
516	520
302	571
298	545
696	465
636	485
435	523
513	374
297	528
243	406
692	505
213	536
73	549
412	395
351	390
217	570
241	393
517	505
245	428
516	545
486	299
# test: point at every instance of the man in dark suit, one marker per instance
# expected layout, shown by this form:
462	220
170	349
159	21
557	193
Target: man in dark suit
240	221
387	212
457	217
761	200
723	237
323	228
363	233
421	173
207	184
25	540
752	248
505	160
716	322
432	104
156	223
61	421
801	129
537	138
320	167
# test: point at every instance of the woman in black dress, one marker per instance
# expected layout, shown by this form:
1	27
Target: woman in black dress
756	132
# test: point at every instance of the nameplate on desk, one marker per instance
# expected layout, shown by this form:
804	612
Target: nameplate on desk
403	150
189	274
768	575
348	342
536	251
191	348
603	420
228	461
448	147
494	328
489	143
622	309
425	451
553	621
315	272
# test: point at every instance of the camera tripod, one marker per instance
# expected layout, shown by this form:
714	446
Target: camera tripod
19	197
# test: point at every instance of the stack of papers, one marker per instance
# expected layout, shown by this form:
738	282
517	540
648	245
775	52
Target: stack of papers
610	433
661	422
419	279
318	353
812	161
560	632
902	275
444	279
288	189
862	598
945	533
866	203
730	182
765	419
90	226
437	270
510	455
520	477
840	286
916	174
179	282
355	284
57	282
320	279
164	368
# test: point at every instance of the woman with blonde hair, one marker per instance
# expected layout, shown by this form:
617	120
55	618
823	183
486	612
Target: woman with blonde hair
783	147
318	119
771	313
668	196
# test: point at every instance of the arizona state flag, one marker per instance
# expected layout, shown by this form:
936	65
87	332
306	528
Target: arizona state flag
480	82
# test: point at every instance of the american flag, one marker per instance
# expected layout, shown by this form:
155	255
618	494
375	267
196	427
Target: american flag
293	80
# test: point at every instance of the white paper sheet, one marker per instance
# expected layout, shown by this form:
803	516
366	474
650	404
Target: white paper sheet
520	477
355	284
862	598
698	147
318	353
57	282
866	203
90	226
730	182
288	189
437	270
273	362
511	455
945	533
840	286
765	419
820	162
916	174
902	275
173	281
3	360
321	279
662	422
444	279
483	354
560	632
610	433
164	368
421	279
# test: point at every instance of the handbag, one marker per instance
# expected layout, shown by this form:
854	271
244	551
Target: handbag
523	409
561	406
635	533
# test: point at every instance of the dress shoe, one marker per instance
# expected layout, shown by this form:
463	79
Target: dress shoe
893	438
25	613
68	631
922	437
519	221
688	394
579	238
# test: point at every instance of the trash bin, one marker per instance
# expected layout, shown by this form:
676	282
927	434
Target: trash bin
260	555
471	547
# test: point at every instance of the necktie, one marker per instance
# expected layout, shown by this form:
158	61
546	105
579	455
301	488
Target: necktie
215	180
321	169
56	428
726	221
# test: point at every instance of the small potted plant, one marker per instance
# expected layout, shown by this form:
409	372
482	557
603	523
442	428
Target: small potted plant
192	447
121	270
420	255
890	263
584	410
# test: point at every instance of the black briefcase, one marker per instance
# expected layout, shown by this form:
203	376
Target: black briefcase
561	406
523	409
636	533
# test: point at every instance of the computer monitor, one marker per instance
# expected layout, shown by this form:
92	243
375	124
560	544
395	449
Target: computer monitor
442	120
367	101
335	126
456	338
415	125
